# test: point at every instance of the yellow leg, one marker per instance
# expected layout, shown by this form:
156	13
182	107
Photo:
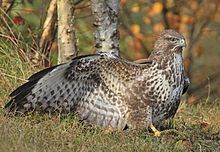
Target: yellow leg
157	133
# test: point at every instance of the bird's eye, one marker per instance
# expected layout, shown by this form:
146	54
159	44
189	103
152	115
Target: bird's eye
172	39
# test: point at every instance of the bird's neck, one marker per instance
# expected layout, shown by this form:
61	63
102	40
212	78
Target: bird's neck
158	52
178	63
164	61
162	55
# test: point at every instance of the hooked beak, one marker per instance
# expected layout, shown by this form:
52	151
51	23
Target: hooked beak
182	43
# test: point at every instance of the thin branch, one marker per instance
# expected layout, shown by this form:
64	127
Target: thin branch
83	7
86	16
77	2
164	14
11	76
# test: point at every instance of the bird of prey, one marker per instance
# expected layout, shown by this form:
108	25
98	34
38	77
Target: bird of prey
110	91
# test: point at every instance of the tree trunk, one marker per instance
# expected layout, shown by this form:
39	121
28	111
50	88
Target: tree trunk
106	35
49	28
66	32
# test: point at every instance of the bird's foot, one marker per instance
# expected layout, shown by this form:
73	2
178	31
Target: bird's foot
157	133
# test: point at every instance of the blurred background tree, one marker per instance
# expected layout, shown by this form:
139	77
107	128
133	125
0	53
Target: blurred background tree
22	25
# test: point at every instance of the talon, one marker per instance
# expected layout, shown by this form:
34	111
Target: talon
157	133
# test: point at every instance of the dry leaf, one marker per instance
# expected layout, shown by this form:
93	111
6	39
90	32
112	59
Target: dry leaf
158	28
187	19
147	20
205	126
123	2
135	29
135	8
194	5
192	100
156	9
137	45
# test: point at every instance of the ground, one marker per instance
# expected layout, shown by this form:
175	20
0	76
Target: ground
198	130
197	126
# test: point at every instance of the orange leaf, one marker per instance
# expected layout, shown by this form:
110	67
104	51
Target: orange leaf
147	20
187	19
170	3
28	10
137	45
199	51
156	9
174	20
217	17
135	29
157	28
130	42
194	5
192	100
135	8
123	2
182	27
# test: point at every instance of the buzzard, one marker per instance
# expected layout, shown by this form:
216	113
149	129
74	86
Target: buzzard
110	91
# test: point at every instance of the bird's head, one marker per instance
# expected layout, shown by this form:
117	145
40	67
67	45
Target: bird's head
169	41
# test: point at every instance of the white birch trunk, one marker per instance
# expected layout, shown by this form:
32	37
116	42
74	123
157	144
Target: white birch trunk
106	34
66	31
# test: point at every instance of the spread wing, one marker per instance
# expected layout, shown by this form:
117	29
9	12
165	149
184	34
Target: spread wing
89	85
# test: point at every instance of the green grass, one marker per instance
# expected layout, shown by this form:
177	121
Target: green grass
198	125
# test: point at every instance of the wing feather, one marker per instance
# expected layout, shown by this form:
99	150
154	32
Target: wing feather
90	85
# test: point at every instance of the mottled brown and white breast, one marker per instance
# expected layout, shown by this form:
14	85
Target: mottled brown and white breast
167	85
